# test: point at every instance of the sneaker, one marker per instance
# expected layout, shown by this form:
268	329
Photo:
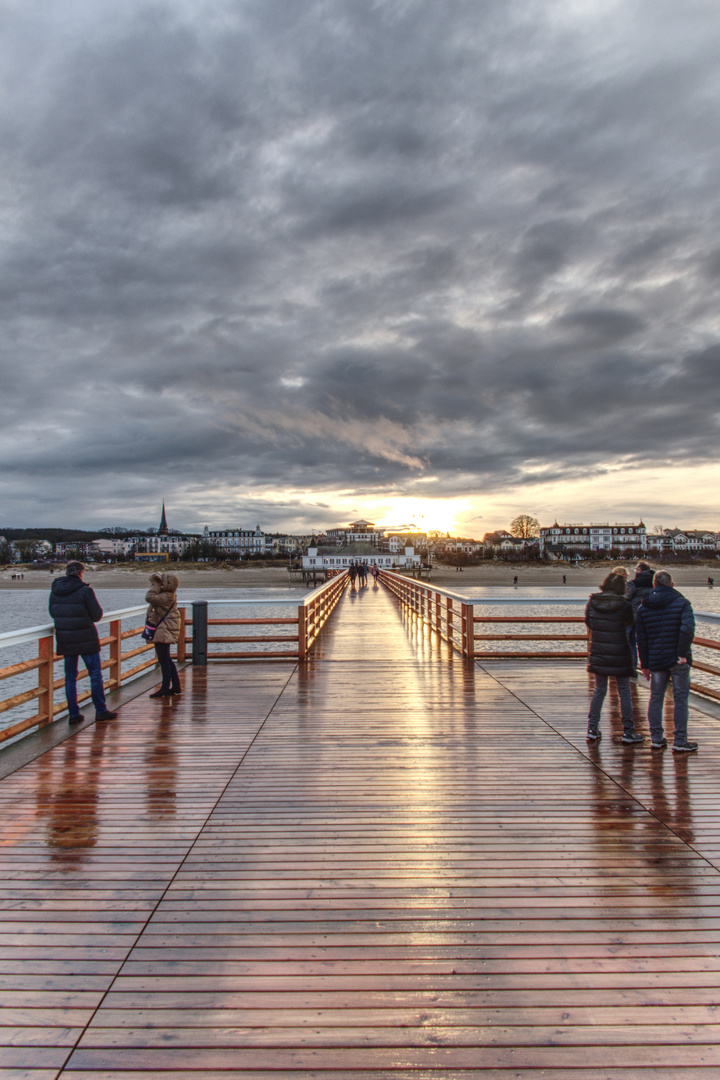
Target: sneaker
633	737
107	715
685	748
660	744
75	719
594	736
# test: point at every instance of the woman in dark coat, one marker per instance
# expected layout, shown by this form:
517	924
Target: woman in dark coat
609	616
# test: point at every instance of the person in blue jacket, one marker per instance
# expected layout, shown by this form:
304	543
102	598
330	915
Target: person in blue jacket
665	631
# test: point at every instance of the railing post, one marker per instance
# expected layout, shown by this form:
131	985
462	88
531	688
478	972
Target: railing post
468	631
46	678
302	631
200	633
115	672
182	644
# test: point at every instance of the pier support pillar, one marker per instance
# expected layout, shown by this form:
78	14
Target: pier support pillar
200	633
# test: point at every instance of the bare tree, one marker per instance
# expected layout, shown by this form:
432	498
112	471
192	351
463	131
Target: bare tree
524	525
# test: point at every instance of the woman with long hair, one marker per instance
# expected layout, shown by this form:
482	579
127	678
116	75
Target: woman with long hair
609	616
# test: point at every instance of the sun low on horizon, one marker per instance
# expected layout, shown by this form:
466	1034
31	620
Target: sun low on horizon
428	515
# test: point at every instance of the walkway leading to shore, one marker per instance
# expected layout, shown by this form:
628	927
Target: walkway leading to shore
386	863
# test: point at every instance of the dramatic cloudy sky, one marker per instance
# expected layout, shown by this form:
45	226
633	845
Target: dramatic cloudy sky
299	261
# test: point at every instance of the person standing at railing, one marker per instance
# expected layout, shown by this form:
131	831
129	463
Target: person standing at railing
609	616
665	631
164	615
74	609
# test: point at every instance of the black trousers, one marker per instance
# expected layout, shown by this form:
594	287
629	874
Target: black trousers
170	677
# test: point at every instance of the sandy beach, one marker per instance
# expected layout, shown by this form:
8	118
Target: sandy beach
249	576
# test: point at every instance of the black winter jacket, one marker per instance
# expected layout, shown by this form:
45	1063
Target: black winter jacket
665	628
639	588
608	617
74	609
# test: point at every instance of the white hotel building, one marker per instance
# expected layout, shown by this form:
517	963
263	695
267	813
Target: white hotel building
600	538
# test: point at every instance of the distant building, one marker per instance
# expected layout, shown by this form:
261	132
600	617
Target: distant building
161	545
684	541
237	541
586	540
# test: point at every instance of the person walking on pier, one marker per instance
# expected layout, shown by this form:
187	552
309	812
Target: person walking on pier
609	616
665	630
163	614
74	609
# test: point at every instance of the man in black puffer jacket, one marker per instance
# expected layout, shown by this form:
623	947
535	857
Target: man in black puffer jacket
665	630
75	610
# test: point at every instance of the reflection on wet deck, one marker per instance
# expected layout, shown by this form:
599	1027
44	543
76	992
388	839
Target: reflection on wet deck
387	862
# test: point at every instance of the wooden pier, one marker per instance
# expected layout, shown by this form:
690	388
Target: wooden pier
385	862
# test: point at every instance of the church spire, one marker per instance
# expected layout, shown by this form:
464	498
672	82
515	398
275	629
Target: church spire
163	530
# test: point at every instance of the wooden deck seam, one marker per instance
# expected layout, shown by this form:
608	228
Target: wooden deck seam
118	973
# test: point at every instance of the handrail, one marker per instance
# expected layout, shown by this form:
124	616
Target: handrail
452	615
313	611
47	684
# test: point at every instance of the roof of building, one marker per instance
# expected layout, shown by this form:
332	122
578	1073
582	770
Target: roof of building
356	548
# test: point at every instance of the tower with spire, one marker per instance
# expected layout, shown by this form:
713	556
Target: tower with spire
163	528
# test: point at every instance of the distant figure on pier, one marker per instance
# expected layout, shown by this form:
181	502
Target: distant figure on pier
164	615
74	609
515	581
352	571
375	571
564	579
711	582
609	616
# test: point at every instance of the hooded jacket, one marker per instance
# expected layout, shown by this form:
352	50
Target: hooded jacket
608	617
162	598
74	609
639	588
665	628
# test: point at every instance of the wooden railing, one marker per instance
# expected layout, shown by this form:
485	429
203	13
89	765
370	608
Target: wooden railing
303	627
44	692
452	616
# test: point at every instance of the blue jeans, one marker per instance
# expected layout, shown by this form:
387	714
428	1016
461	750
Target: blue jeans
623	686
92	663
680	675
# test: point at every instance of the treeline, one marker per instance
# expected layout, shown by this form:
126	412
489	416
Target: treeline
63	536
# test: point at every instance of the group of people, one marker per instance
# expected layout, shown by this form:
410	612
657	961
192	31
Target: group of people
645	621
359	571
74	609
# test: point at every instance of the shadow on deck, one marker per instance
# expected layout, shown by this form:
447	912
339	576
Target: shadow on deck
387	862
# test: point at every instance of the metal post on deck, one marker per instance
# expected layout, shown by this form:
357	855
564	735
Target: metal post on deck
200	633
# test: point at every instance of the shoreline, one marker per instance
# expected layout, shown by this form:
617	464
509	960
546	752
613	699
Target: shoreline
444	577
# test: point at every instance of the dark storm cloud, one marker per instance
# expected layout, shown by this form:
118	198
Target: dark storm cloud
318	245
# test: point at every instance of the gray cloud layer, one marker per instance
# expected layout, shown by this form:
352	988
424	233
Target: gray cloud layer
322	244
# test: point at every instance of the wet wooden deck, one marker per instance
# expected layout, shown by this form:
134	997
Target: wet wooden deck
387	863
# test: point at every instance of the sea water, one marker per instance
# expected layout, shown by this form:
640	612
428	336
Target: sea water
21	608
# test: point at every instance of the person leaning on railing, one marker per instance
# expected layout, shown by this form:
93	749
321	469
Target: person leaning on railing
74	609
